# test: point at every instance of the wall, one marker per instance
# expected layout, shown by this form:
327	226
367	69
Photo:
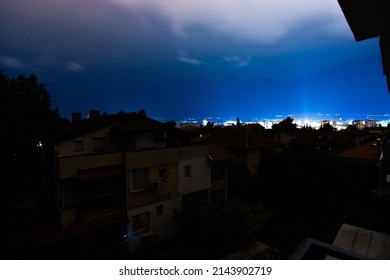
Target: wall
253	160
162	226
200	178
68	165
168	188
67	147
173	159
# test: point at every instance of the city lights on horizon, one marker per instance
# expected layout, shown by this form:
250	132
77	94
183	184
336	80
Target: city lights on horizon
315	121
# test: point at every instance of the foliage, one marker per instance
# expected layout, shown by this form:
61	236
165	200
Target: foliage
142	112
171	123
352	127
219	229
241	185
309	192
26	121
24	111
327	127
307	128
210	125
286	124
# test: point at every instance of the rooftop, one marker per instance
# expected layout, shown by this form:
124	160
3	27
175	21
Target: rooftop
369	151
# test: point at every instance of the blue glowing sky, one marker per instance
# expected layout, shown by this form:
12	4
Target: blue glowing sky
177	59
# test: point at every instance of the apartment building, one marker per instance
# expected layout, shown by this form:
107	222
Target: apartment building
126	175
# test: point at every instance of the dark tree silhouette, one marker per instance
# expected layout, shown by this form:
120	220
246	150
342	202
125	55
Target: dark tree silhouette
307	128
217	229
26	121
352	127
327	127
286	124
142	112
210	125
171	123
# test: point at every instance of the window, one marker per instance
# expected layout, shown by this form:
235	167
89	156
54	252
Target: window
99	144
146	141
187	171
160	209
163	173
218	171
78	145
139	179
141	222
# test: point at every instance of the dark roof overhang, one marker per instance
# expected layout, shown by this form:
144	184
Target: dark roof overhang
369	19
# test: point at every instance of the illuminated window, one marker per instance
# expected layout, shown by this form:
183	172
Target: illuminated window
141	222
139	179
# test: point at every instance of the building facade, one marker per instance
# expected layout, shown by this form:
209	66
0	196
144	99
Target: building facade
126	175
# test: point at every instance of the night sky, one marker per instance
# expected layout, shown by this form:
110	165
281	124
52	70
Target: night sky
179	59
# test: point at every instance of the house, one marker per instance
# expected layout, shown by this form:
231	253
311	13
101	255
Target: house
247	145
332	141
219	159
364	162
280	135
125	175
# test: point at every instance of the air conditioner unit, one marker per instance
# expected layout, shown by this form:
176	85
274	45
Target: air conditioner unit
155	185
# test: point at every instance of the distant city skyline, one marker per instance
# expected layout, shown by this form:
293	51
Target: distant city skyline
339	121
196	59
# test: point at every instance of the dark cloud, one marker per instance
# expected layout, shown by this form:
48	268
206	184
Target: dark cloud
265	22
180	58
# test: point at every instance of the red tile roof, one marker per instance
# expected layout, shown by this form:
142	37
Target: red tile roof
217	153
368	151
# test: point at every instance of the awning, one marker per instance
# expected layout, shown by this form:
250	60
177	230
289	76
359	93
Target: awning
100	172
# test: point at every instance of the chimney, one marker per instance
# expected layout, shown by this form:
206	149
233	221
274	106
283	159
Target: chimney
76	117
94	114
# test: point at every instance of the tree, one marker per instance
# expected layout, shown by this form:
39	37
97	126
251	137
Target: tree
286	124
210	125
352	127
26	121
327	127
307	128
171	123
219	229
142	112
